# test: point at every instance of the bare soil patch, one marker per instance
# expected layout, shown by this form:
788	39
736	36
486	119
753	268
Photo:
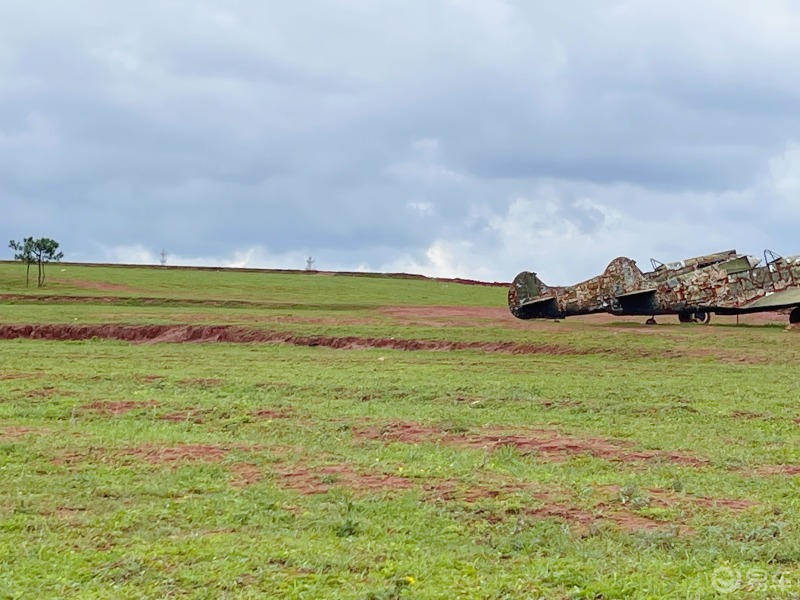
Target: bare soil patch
115	408
244	474
547	443
664	498
184	416
319	480
45	392
158	455
450	490
769	470
149	378
583	521
273	413
13	433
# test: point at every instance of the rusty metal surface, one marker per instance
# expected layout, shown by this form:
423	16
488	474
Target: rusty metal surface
724	282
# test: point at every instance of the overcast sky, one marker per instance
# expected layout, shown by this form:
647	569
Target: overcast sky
469	138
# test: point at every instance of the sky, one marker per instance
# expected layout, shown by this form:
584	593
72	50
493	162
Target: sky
462	138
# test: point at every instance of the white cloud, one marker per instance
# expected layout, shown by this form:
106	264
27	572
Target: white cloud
784	170
443	258
255	257
424	209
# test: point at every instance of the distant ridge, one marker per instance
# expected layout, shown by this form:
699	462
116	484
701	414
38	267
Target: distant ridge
286	272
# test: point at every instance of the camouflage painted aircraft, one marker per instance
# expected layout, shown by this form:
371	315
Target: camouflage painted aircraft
725	283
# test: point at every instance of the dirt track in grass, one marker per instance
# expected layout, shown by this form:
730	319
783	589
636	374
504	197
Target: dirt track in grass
243	335
224	333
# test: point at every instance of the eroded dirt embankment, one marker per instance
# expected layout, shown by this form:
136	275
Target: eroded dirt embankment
230	334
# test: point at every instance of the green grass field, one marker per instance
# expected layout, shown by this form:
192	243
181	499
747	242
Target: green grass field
609	460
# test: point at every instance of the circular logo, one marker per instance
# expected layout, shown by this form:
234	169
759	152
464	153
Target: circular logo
726	580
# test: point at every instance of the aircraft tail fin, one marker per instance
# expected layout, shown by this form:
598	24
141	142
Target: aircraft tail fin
530	298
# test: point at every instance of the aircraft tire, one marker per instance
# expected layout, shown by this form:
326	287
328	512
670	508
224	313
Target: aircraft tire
794	316
685	317
701	317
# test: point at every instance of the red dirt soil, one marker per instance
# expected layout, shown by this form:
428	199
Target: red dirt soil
769	470
273	413
449	490
190	415
158	455
161	455
117	408
244	474
318	480
149	378
664	498
13	433
551	444
230	334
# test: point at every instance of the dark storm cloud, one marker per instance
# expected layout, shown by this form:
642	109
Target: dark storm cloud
452	137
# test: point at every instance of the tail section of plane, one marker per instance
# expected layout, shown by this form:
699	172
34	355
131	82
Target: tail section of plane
530	298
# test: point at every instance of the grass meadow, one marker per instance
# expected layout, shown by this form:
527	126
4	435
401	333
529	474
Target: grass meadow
591	458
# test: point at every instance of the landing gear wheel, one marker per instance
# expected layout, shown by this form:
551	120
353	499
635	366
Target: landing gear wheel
794	316
686	317
650	321
703	318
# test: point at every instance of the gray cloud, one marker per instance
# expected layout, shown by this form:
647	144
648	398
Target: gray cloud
455	138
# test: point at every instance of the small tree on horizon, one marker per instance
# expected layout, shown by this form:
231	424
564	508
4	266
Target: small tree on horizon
44	251
40	251
23	251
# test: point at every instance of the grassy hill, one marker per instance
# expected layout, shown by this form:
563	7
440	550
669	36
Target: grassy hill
382	438
231	285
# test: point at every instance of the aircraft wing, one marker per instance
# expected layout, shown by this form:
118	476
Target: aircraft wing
782	299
